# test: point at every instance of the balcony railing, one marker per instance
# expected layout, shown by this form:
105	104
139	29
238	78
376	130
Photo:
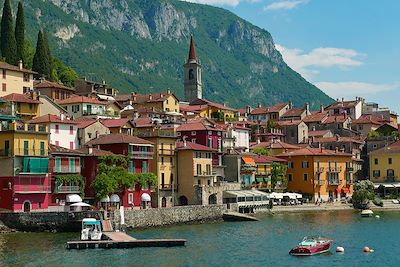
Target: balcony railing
67	169
349	181
168	187
349	169
167	152
141	154
32	189
35	170
67	189
24	152
319	182
335	169
320	170
391	179
333	181
248	168
204	174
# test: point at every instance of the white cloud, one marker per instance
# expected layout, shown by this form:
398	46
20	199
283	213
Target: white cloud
287	4
307	63
350	89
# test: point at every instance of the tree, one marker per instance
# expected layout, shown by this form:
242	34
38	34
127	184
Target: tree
364	191
65	74
7	42
373	135
261	151
278	175
41	63
20	32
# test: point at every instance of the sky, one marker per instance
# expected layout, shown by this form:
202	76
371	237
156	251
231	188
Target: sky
347	48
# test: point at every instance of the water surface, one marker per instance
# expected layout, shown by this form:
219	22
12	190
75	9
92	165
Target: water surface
263	243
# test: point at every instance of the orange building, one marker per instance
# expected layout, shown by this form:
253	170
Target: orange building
319	173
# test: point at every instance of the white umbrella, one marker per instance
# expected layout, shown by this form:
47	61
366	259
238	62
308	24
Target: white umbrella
80	204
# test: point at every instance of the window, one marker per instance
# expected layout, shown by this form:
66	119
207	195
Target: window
130	198
71	145
89	135
193	140
30	106
193	132
210	142
6	147
198	182
376	161
171	160
304	164
162	160
145	166
305	177
4	74
219	133
290	165
389	160
376	173
26	89
57	128
71	130
41	148
290	177
26	148
131	166
208	169
390	173
209	133
209	182
162	180
26	77
4	87
198	169
191	74
178	133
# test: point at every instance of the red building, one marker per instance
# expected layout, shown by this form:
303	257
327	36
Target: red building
140	153
64	166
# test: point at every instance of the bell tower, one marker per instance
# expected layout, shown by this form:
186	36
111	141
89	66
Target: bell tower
192	80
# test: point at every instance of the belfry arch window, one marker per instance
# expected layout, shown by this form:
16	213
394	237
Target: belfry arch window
191	74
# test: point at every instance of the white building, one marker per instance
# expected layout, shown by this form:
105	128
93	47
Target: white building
63	132
352	108
237	137
78	106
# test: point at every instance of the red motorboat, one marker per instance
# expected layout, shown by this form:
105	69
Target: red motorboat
311	246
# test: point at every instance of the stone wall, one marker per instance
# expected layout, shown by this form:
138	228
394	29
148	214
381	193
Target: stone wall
168	216
45	221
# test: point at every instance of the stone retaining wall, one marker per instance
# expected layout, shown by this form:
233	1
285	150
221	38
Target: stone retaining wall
45	221
168	216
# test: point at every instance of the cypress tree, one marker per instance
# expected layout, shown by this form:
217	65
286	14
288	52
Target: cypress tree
53	73
7	43
41	63
20	32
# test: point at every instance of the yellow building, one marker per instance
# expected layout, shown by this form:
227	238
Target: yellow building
194	163
21	106
15	79
164	161
385	164
211	110
263	171
319	173
160	102
115	126
19	143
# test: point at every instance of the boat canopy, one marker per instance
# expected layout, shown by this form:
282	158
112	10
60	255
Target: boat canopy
244	193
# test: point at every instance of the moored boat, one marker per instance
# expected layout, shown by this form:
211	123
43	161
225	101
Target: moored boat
367	213
311	246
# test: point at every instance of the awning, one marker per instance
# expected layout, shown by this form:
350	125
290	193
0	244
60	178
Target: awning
338	190
106	97
114	198
80	204
73	198
248	160
145	197
345	190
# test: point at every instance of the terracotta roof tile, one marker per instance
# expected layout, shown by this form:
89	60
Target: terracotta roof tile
308	151
337	139
294	112
198	125
275	145
6	66
369	119
80	99
47	84
390	149
204	102
50	118
112	123
316	117
192	146
84	122
288	122
53	149
95	152
336	119
118	139
318	133
343	104
20	98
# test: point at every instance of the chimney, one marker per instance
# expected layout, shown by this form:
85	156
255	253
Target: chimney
62	116
313	128
20	64
104	82
259	105
342	150
184	141
337	137
321	108
161	95
342	99
90	150
168	92
290	105
248	109
336	149
307	107
150	96
224	104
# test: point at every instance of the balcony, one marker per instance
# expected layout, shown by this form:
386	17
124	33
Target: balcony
166	152
168	187
26	152
320	170
66	169
141	154
335	169
349	181
319	182
391	179
349	169
66	189
333	181
248	168
28	189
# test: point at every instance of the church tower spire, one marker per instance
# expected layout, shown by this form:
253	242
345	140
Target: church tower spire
192	70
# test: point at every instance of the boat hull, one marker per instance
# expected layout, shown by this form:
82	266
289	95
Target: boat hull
310	250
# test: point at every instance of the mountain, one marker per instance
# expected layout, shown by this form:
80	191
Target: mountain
141	45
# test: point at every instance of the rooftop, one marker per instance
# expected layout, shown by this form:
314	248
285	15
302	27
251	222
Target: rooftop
192	146
308	151
75	99
20	98
6	66
49	118
118	139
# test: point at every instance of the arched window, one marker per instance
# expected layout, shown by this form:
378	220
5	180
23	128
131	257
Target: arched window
191	74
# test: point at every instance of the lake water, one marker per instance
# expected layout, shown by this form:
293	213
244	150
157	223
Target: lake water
263	243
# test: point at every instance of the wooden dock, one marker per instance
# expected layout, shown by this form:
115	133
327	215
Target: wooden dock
126	244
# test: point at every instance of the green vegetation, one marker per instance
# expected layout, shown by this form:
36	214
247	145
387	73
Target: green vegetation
41	61
72	179
278	175
113	176
239	63
7	41
20	32
363	192
262	151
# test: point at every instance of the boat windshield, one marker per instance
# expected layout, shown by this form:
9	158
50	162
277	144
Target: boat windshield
311	241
